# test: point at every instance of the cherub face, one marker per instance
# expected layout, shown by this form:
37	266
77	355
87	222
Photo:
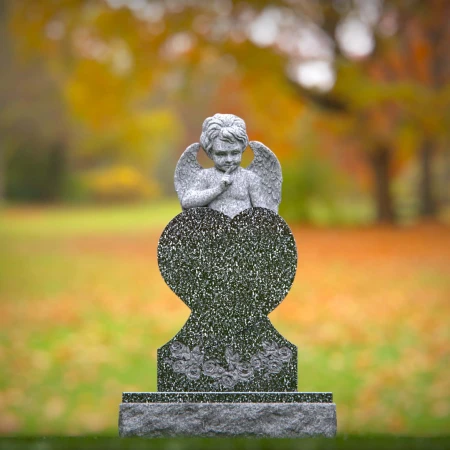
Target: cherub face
226	155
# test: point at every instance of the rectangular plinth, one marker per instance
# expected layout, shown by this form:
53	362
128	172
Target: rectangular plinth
227	397
283	420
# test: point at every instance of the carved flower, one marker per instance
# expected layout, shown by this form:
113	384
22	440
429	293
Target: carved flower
197	355
228	380
244	371
193	372
258	361
232	358
284	354
179	350
219	372
209	368
192	363
176	347
274	365
179	366
270	348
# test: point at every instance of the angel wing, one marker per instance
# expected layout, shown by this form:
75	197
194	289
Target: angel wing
266	165
187	170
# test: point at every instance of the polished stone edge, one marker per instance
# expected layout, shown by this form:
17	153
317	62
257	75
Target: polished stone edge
227	397
259	420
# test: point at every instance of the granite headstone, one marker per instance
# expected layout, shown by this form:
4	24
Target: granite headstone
232	259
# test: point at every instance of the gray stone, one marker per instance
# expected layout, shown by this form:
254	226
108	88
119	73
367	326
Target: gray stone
232	259
227	187
274	420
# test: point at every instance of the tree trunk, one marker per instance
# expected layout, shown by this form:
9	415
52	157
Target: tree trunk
380	161
428	207
2	174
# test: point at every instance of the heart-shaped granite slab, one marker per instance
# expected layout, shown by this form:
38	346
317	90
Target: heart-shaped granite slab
231	273
215	263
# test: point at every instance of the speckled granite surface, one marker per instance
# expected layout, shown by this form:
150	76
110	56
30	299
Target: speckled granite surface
231	273
227	397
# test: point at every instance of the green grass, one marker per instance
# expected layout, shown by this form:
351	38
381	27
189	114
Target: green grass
339	443
66	221
84	310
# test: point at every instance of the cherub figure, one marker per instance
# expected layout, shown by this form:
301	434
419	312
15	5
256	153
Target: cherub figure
227	187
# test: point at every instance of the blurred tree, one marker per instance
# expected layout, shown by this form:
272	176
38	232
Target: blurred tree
112	83
117	52
119	63
397	100
33	127
423	46
361	114
4	58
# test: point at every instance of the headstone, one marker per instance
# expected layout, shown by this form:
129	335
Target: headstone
232	259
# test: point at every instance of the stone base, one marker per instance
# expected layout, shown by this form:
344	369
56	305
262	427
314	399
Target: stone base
274	420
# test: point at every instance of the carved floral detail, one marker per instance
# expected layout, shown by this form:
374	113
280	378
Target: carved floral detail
192	363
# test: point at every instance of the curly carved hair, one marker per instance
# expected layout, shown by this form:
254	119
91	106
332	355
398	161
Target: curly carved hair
227	127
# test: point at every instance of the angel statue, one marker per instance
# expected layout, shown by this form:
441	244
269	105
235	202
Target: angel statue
227	187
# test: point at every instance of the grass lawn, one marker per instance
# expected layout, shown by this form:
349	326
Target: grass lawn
340	443
84	309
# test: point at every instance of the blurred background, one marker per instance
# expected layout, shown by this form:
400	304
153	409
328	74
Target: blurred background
99	98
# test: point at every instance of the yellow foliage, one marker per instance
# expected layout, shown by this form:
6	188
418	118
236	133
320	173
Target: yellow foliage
151	131
119	183
274	113
97	95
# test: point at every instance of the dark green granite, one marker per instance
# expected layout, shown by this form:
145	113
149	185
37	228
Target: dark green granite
231	273
227	397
